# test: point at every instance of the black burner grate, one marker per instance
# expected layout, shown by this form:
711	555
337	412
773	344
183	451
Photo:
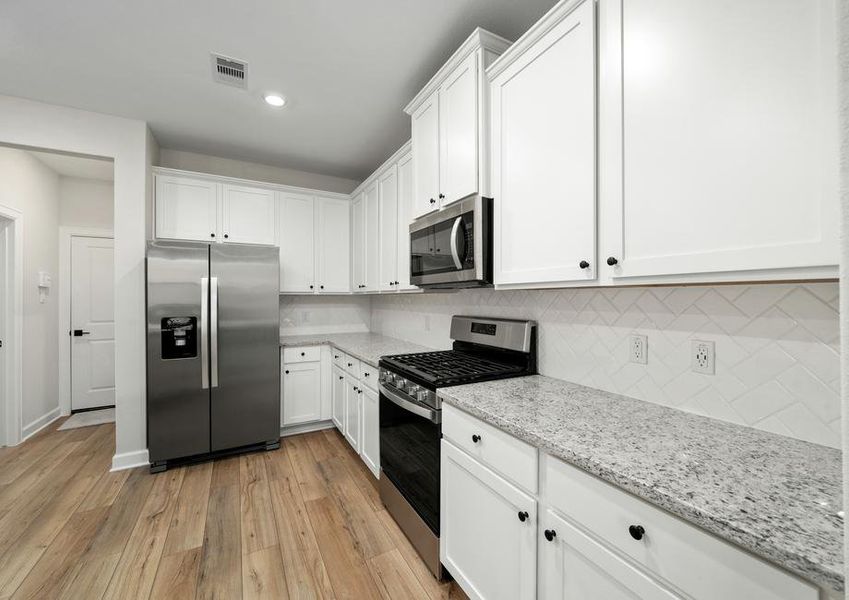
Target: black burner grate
452	367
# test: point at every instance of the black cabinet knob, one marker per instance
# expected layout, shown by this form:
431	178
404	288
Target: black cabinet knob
335	356
523	516
211	235
432	201
359	391
350	364
550	534
396	283
356	388
312	287
476	438
637	532
366	374
583	264
341	378
303	353
441	196
612	261
287	372
321	287
226	236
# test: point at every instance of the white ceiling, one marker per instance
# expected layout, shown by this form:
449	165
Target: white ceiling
347	68
70	165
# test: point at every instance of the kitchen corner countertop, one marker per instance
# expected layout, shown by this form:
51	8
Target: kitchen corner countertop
366	346
775	496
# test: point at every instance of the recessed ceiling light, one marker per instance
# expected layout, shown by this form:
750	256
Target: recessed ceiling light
275	100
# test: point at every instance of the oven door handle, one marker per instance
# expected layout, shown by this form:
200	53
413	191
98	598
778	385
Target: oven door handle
434	416
454	253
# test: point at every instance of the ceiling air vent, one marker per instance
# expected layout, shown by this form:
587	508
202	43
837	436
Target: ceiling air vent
230	71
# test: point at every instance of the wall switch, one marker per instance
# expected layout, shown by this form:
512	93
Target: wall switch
638	349
703	357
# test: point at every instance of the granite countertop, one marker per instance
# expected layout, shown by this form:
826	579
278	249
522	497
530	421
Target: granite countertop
366	346
775	496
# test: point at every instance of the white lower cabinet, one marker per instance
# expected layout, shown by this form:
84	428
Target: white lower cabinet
370	439
338	398
353	396
573	565
592	539
488	538
301	401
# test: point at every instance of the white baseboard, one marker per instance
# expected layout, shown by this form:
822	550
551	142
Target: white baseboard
305	428
130	460
40	423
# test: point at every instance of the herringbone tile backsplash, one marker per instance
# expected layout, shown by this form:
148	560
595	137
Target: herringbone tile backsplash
777	362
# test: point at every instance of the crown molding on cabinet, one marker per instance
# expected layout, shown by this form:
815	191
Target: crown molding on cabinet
280	187
396	156
532	36
480	38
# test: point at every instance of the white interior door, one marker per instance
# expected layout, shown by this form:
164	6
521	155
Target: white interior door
93	324
5	300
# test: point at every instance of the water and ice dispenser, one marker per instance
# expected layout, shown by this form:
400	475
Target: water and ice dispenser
179	337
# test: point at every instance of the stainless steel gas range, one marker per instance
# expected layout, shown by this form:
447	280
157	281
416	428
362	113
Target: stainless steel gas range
411	415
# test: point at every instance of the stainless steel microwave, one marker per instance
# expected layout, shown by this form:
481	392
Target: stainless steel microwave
452	247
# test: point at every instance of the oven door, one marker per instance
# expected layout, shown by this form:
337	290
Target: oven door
409	452
450	246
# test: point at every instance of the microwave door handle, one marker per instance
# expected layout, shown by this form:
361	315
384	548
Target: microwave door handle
454	253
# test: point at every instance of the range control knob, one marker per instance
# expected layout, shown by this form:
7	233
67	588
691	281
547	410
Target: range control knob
424	396
413	389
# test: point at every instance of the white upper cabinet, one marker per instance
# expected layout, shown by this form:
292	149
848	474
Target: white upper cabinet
425	128
186	208
333	245
458	132
371	239
358	252
248	215
719	126
543	152
387	191
449	122
405	212
297	243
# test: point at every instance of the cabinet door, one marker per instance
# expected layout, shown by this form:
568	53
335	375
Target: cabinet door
352	412
370	448
405	212
297	243
573	565
358	251
371	239
487	530
301	393
186	208
248	215
426	156
543	157
458	126
387	191
333	245
725	154
338	399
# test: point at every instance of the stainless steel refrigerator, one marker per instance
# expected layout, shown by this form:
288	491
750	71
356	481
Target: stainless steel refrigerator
213	350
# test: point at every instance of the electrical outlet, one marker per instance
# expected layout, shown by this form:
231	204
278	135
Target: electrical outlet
703	357
638	348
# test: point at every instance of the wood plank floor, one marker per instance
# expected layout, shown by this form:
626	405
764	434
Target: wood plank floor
301	522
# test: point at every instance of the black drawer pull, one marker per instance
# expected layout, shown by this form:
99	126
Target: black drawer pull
476	438
523	516
550	534
637	532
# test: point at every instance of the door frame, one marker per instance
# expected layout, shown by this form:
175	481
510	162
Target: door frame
66	235
11	395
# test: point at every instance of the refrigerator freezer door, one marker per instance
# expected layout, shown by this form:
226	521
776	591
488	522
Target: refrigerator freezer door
245	345
177	403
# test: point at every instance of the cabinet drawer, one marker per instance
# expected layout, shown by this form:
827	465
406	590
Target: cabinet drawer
368	375
338	357
301	354
499	450
669	546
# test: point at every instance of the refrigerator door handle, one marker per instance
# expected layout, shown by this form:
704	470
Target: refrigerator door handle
204	332
213	326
